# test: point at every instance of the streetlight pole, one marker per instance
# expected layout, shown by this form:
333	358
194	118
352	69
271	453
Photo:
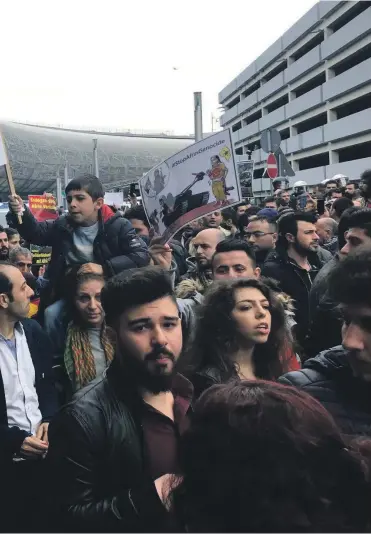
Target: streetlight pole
198	116
95	158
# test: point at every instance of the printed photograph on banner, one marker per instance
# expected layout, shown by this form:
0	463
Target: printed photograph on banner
191	184
245	171
43	207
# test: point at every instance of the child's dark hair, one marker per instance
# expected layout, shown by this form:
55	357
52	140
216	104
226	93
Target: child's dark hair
89	183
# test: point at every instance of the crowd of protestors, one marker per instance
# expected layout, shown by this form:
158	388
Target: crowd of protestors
217	383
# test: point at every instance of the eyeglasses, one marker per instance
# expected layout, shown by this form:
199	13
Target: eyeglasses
257	234
24	264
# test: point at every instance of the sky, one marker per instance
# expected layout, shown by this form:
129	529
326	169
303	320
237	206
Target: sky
90	63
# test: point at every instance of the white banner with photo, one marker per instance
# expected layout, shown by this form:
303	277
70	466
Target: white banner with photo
191	184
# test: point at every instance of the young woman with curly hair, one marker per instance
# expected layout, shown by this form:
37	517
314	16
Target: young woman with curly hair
241	333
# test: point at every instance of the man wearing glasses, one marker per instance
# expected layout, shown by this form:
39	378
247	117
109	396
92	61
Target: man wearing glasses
261	234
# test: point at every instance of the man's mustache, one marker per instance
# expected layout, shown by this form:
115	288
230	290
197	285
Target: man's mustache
159	352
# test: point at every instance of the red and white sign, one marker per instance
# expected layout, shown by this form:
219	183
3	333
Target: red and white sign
272	167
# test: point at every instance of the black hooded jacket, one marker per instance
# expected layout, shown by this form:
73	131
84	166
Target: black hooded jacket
329	378
116	246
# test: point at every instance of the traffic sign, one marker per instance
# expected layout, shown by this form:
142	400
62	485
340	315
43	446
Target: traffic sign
272	167
270	140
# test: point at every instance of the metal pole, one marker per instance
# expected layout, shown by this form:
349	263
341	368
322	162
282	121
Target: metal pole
59	190
66	180
95	157
198	116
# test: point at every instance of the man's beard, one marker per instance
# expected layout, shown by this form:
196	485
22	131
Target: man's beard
4	253
302	251
204	266
155	380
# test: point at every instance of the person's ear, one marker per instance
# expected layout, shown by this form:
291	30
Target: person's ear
4	301
290	238
257	272
99	203
275	237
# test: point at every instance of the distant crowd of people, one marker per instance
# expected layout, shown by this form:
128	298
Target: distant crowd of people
216	383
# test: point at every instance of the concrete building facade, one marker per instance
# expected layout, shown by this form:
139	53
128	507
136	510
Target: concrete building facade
314	86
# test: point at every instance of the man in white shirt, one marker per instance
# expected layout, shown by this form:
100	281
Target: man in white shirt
27	400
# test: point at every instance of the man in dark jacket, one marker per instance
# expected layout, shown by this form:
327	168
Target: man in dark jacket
340	378
113	447
325	320
28	401
295	264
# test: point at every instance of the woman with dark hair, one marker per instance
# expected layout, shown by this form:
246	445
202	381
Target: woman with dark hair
241	332
262	457
89	343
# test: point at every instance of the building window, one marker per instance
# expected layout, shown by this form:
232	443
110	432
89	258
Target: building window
354	106
317	40
352	13
279	103
239	151
236	126
285	133
359	151
352	60
310	124
234	102
252	146
252	118
251	90
319	160
271	74
317	81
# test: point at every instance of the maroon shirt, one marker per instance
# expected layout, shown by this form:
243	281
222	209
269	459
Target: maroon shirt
161	434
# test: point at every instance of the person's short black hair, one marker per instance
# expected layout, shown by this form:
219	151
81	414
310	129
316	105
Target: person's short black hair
288	224
2	229
137	212
244	218
350	280
331	182
341	204
232	245
133	288
10	232
344	224
6	285
272	222
361	218
230	214
269	199
89	183
366	176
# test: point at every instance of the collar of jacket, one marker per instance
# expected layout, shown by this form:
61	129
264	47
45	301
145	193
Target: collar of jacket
105	214
280	254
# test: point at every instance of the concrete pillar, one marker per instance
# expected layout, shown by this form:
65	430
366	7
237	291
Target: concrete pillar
328	32
331	115
333	156
294	165
293	130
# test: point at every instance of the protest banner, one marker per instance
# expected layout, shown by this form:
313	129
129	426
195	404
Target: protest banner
40	255
245	171
4	162
42	207
114	199
191	184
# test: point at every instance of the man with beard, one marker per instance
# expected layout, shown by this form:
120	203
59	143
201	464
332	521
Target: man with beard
295	264
261	234
199	274
4	244
112	449
340	378
365	187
